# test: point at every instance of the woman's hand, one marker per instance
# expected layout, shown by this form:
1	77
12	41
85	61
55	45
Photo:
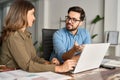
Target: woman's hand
66	66
76	57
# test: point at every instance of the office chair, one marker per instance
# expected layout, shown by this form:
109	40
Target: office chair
47	42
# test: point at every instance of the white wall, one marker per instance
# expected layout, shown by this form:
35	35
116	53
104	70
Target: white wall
50	11
112	23
112	16
59	8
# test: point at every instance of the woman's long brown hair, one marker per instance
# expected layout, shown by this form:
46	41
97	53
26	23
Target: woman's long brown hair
16	17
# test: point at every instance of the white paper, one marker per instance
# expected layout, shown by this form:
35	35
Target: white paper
23	75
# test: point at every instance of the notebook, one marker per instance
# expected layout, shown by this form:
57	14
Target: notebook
91	57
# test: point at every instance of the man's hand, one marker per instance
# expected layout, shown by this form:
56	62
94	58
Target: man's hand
55	61
77	47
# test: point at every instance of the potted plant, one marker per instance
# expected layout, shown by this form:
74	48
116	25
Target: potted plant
93	22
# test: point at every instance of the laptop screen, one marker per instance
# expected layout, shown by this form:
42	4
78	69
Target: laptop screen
91	57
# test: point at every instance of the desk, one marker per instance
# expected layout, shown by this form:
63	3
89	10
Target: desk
95	74
98	74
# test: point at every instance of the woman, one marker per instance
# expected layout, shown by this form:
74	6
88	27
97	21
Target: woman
17	47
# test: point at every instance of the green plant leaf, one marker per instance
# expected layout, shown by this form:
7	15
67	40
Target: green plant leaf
97	18
93	36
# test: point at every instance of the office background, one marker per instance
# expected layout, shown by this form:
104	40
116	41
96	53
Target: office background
50	13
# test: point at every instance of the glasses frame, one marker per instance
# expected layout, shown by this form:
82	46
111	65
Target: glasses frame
73	20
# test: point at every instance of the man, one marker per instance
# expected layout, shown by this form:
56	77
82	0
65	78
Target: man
68	42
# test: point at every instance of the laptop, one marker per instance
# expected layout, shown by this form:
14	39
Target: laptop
91	57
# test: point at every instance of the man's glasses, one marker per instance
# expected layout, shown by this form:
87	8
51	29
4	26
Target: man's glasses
73	20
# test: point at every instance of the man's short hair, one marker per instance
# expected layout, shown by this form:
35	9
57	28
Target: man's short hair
79	10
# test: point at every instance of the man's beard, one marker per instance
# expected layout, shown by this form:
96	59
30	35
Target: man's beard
73	29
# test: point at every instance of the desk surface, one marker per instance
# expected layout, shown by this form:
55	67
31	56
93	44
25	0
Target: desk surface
98	74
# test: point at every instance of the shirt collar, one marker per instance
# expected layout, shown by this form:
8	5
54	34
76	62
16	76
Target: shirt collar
72	34
25	34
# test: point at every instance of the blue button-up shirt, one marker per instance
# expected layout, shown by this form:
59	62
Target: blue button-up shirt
63	41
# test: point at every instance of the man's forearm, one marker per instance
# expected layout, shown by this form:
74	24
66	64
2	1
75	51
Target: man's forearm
69	54
76	57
